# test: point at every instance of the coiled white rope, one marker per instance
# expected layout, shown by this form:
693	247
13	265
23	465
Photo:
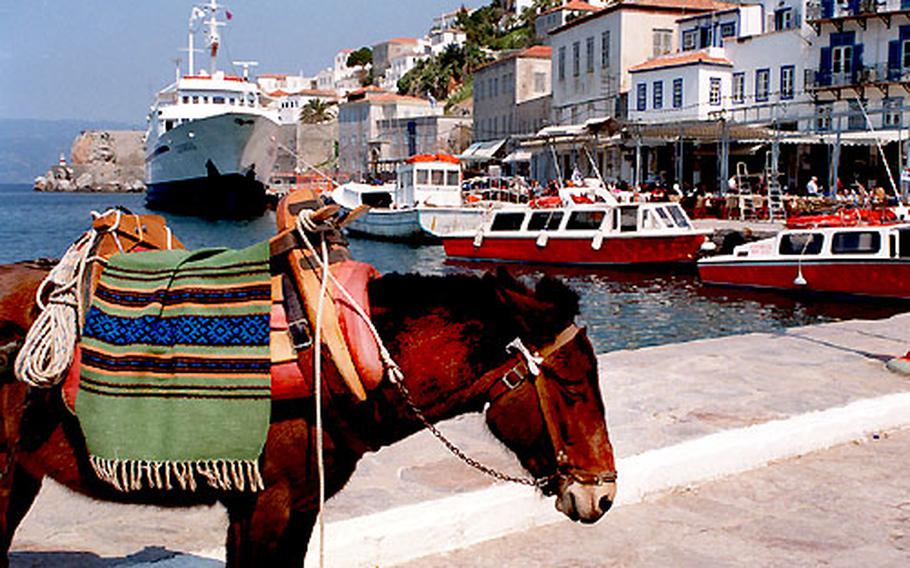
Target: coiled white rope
48	350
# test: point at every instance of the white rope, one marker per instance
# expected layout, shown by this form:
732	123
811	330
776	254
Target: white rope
317	389
305	223
50	343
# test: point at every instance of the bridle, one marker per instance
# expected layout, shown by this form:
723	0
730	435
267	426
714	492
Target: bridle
521	371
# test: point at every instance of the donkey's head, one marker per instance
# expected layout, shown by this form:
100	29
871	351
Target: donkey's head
545	403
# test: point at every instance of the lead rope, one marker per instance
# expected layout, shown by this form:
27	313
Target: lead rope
49	346
320	463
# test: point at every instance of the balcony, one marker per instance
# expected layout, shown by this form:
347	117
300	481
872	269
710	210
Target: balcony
878	75
839	12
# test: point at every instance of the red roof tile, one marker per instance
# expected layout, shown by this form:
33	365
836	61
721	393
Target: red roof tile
573	5
676	59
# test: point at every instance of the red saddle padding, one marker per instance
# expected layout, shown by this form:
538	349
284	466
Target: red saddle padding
288	380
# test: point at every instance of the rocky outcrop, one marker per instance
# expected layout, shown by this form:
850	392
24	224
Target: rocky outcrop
102	160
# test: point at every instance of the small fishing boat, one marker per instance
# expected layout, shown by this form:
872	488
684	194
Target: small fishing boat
423	181
582	234
865	261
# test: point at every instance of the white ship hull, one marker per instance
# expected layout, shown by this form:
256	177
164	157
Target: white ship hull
215	166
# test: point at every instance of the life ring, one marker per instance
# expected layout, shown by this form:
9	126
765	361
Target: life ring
547	202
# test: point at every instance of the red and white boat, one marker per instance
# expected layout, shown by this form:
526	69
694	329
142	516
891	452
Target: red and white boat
582	234
865	261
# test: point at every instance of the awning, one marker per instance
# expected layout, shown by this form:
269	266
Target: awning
482	151
858	138
566	130
517	156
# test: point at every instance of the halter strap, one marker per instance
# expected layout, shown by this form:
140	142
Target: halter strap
523	364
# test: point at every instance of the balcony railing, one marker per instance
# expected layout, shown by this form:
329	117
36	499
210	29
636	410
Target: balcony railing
834	9
874	74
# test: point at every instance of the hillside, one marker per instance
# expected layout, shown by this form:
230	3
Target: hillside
28	147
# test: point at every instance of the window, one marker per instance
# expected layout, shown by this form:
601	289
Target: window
545	221
823	117
605	49
856	119
787	75
714	92
576	59
540	82
842	60
663	42
185	99
641	100
438	177
728	29
585	221
905	54
677	93
495	86
783	19
478	90
218	100
905	243
856	242
658	94
423	177
689	40
739	87
195	99
679	216
589	54
801	243
892	116
628	219
762	84
561	64
507	222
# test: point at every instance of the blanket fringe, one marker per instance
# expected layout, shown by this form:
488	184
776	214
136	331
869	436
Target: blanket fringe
135	475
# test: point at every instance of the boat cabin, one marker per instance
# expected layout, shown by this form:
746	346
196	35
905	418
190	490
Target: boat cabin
430	179
831	243
644	217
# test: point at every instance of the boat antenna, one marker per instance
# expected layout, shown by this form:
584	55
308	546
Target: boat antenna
878	143
602	190
196	14
246	67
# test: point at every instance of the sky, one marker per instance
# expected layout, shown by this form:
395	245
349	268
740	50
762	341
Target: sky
105	59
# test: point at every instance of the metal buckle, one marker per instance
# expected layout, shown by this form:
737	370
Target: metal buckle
520	378
300	328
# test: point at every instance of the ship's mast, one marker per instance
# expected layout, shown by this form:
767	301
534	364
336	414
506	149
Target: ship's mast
213	36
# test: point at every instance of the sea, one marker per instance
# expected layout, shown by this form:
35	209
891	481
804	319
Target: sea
622	309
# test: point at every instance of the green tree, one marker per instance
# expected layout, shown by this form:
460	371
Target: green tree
316	111
363	56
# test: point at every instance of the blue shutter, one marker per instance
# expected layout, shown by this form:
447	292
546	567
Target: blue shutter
853	6
823	77
894	60
827	8
857	61
905	4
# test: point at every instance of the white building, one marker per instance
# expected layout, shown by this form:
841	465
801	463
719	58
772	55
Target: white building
359	144
592	54
549	20
289	104
340	78
270	82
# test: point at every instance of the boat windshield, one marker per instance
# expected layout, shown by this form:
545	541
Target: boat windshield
801	243
856	242
679	216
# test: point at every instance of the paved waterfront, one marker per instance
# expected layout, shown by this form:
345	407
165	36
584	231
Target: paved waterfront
656	397
844	507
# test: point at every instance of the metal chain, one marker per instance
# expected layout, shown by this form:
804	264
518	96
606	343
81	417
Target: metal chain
457	452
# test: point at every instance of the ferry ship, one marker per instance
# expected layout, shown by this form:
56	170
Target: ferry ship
211	141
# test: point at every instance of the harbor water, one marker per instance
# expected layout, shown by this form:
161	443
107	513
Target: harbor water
622	309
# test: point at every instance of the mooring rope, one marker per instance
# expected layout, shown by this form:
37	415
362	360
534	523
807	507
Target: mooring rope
317	389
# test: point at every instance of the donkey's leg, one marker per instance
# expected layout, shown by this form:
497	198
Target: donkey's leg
18	490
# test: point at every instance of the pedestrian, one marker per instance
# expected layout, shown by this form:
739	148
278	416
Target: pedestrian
812	187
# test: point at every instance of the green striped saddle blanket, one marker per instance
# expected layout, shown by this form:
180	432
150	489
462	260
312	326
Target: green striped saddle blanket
175	384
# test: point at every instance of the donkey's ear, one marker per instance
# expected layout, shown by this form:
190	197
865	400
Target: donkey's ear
556	293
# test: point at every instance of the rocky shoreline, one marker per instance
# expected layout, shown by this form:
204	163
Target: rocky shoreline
101	161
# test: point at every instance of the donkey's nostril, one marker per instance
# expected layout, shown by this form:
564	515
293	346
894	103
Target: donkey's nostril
605	503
